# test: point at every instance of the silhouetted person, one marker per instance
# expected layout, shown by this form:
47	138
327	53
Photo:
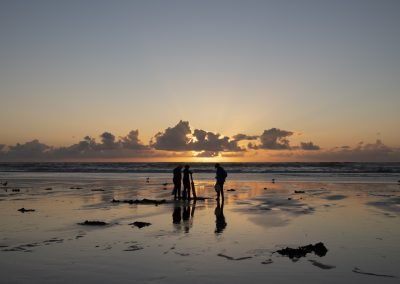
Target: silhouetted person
220	176
186	182
220	223
177	179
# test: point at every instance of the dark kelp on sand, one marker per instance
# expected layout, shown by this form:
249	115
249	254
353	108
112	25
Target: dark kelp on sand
140	224
141	201
296	253
23	210
93	223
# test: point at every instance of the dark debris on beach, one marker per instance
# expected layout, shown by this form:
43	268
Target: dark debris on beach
93	223
140	224
141	201
318	249
233	258
23	210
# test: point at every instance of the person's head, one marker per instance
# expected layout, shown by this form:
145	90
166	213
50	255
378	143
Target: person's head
187	166
216	165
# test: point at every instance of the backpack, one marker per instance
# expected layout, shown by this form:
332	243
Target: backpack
224	173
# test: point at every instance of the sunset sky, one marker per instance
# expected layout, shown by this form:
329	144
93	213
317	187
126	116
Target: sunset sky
302	80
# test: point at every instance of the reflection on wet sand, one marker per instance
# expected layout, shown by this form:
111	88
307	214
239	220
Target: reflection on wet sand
183	215
220	222
261	221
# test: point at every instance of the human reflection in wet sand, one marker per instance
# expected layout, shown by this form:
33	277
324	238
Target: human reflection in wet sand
183	215
220	222
176	215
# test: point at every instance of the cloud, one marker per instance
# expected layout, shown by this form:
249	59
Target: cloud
110	147
274	139
309	146
371	152
181	138
209	141
173	138
131	141
241	137
108	141
180	142
87	148
32	148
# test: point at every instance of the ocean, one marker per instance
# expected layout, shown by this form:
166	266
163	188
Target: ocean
346	172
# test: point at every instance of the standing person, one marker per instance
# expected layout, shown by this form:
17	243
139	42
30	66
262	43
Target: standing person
177	179
186	182
220	176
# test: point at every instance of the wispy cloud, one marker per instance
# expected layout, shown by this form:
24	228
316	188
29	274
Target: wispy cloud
370	152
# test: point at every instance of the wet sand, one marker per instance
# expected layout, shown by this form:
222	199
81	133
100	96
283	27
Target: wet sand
200	242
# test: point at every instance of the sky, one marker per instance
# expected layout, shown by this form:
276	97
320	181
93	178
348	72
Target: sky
310	80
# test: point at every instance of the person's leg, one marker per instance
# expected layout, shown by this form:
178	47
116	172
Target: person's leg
179	191
175	191
218	186
185	192
188	190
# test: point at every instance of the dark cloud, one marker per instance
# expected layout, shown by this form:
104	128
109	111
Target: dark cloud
209	141
181	138
178	141
88	144
32	148
309	146
131	141
173	138
274	139
240	137
108	141
128	146
87	148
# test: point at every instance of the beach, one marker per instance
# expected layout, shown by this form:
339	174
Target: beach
356	220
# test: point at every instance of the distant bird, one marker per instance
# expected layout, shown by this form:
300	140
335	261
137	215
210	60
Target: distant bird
165	184
273	180
4	183
148	180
